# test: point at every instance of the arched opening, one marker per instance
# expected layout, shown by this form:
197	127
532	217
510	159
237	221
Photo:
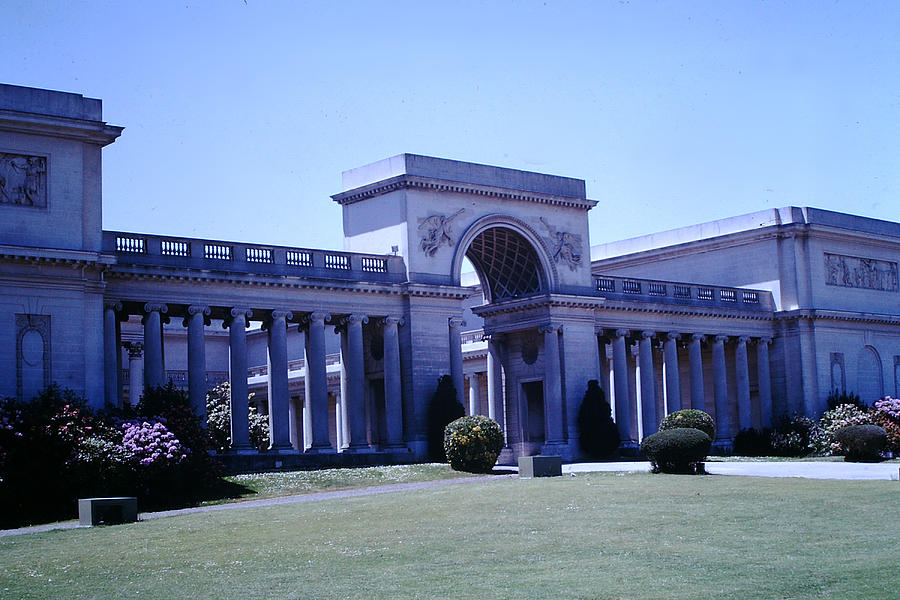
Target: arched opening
869	381
506	264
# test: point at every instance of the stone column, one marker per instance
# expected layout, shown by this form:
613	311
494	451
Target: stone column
456	358
648	383
495	383
553	398
764	381
279	395
197	317
111	353
624	409
742	380
236	322
341	403
473	393
317	383
673	377
135	371
154	370
356	405
698	396
720	387
393	390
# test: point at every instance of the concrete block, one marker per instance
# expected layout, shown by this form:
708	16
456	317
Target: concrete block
107	511
540	466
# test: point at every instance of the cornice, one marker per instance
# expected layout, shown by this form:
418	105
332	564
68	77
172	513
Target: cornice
688	311
417	182
542	301
91	132
436	291
74	258
838	315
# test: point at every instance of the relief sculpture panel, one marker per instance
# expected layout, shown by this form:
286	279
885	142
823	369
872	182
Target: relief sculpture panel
855	272
23	180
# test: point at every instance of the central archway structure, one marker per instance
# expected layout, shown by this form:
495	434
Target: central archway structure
506	263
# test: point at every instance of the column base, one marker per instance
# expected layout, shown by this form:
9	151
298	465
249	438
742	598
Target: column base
283	449
242	450
360	449
395	447
320	450
560	449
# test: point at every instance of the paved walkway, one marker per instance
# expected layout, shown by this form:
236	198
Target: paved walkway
808	470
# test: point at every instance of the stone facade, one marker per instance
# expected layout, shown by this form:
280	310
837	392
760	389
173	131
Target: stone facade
747	318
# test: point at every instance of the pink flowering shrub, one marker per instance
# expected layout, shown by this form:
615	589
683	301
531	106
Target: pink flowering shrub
886	414
151	444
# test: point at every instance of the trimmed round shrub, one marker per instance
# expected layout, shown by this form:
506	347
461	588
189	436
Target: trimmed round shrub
472	444
837	418
679	450
862	443
690	418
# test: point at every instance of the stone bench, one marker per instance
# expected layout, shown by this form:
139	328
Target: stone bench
540	466
106	511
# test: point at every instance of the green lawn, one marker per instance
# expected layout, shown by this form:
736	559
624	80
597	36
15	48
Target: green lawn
591	536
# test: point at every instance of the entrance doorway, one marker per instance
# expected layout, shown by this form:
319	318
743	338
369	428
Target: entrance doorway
534	411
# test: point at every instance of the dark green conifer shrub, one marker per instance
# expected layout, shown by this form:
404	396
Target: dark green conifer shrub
472	444
598	434
862	443
443	409
689	417
679	450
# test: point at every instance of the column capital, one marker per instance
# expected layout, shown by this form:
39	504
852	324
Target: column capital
623	332
722	338
112	304
156	307
194	309
135	349
392	320
743	339
356	318
673	336
235	313
316	316
698	337
456	322
764	341
275	315
549	328
647	334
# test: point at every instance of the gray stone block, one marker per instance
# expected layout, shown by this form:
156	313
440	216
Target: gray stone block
106	511
540	466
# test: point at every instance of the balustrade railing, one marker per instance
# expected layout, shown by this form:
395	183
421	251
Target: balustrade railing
143	249
682	293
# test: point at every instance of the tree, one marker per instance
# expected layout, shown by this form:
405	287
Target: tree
444	408
599	436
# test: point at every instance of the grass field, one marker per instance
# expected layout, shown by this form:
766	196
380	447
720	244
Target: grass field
587	536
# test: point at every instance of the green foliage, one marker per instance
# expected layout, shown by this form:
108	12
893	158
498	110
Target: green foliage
678	450
218	419
472	444
443	409
598	434
839	398
753	442
795	436
690	418
843	415
862	443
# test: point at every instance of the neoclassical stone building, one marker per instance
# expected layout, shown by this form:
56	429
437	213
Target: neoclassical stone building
747	318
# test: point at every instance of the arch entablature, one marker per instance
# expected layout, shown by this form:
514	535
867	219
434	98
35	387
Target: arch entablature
547	273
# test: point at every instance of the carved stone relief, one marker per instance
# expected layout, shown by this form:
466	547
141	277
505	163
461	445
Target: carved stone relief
23	180
32	355
855	272
566	247
436	231
529	350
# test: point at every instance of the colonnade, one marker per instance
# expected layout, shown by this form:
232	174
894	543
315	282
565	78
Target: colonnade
196	318
639	366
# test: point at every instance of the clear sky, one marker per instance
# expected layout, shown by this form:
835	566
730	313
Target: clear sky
240	116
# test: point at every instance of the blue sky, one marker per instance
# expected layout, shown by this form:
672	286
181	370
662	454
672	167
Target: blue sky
241	116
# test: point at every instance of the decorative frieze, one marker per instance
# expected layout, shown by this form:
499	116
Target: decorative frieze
856	272
23	180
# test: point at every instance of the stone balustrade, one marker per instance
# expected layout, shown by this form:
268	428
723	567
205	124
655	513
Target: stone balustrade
190	253
692	294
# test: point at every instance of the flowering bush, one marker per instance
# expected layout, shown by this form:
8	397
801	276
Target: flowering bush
473	444
886	414
795	436
218	419
844	415
151	444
